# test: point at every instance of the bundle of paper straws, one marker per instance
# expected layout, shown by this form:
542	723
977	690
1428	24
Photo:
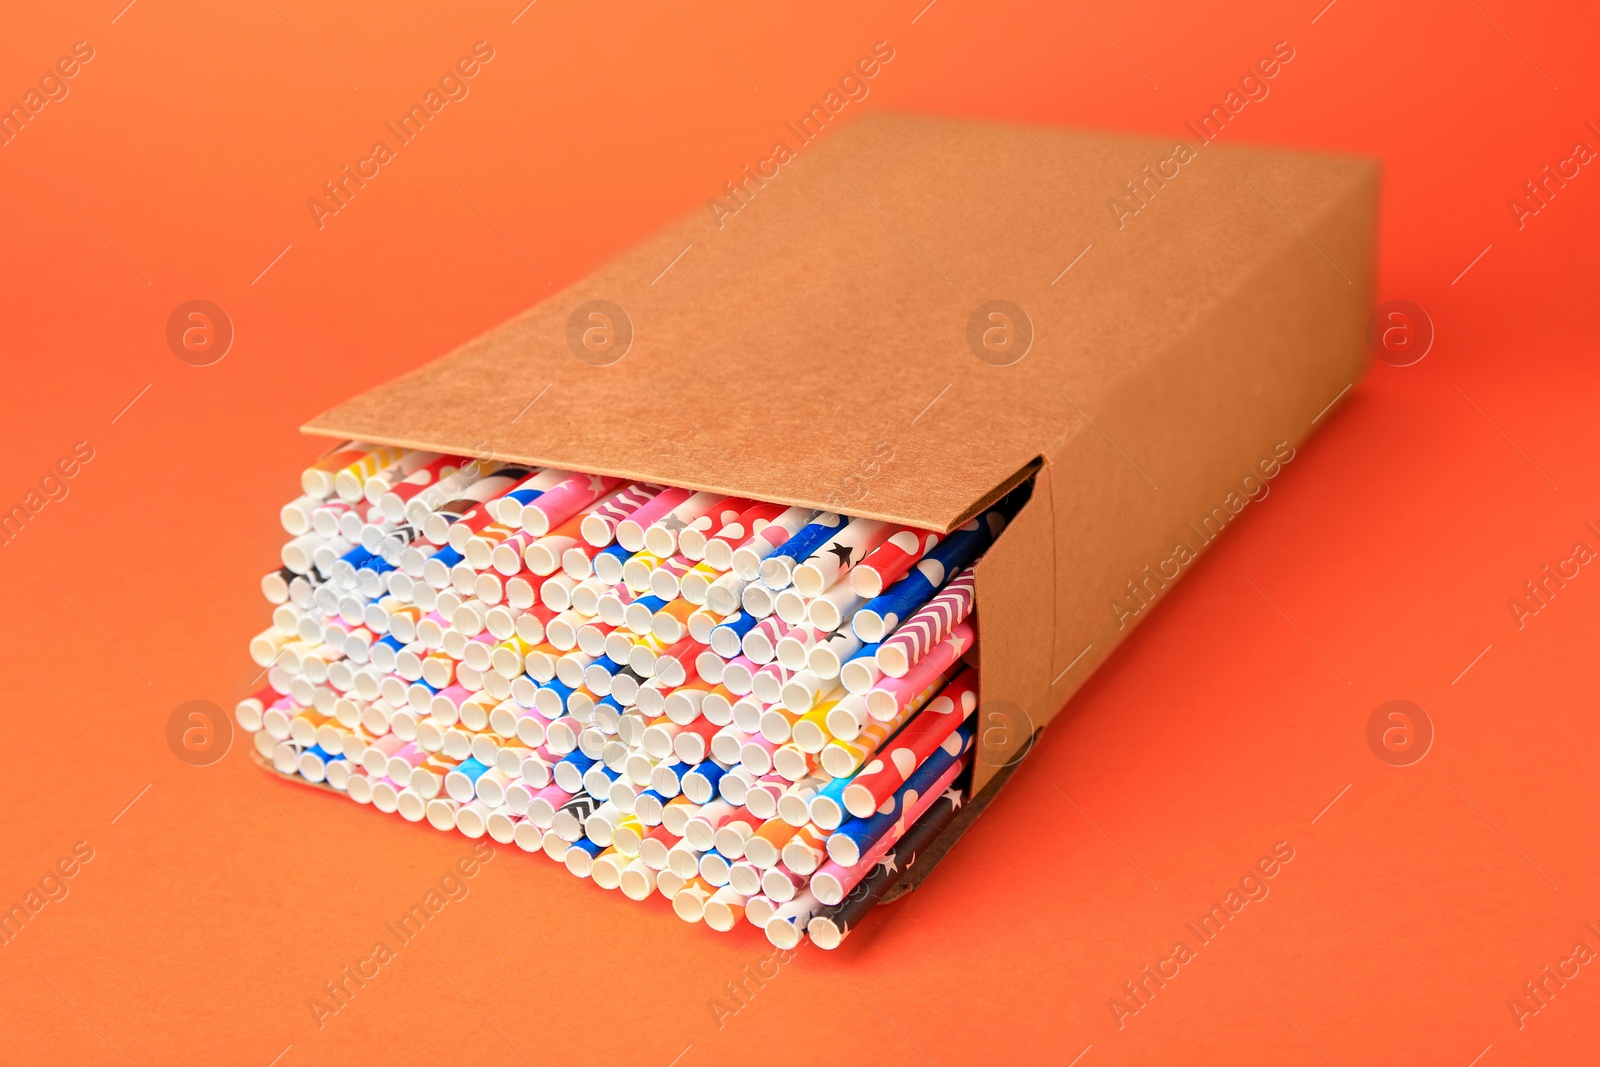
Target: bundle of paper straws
754	710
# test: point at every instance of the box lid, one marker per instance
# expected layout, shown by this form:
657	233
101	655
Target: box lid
893	321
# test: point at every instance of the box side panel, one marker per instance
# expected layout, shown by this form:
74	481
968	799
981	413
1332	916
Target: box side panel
1016	631
1202	434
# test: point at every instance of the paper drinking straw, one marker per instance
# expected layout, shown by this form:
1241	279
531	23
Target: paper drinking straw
690	901
248	712
760	642
303	727
794	647
735	785
506	556
580	856
630	530
699	783
744	878
758	909
794	804
358	786
764	847
723	910
711	667
746	559
759	794
608	564
637	880
758	600
600	519
507	509
890	695
776	723
528	837
829	562
794	763
275	585
683	860
655	845
834	883
295	516
554	846
692	743
803	689
714	868
544	804
894	761
648	807
666	778
719	547
781	885
600	827
806	850
845	720
892	559
560	503
675	665
598	778
436	568
828	656
411	805
671	623
637	569
297	555
668	884
577	562
789	604
556	592
569	818
784	927
586	596
831	924
639	616
475	534
313	761
727	743
756	755
460	783
724	594
928	625
733	831
385	794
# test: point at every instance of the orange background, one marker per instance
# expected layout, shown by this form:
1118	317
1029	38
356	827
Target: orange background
220	901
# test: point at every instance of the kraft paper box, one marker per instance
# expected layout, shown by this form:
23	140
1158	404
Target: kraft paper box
909	317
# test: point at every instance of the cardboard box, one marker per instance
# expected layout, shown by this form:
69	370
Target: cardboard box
908	317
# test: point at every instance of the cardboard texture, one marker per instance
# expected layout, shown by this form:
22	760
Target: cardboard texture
1213	312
